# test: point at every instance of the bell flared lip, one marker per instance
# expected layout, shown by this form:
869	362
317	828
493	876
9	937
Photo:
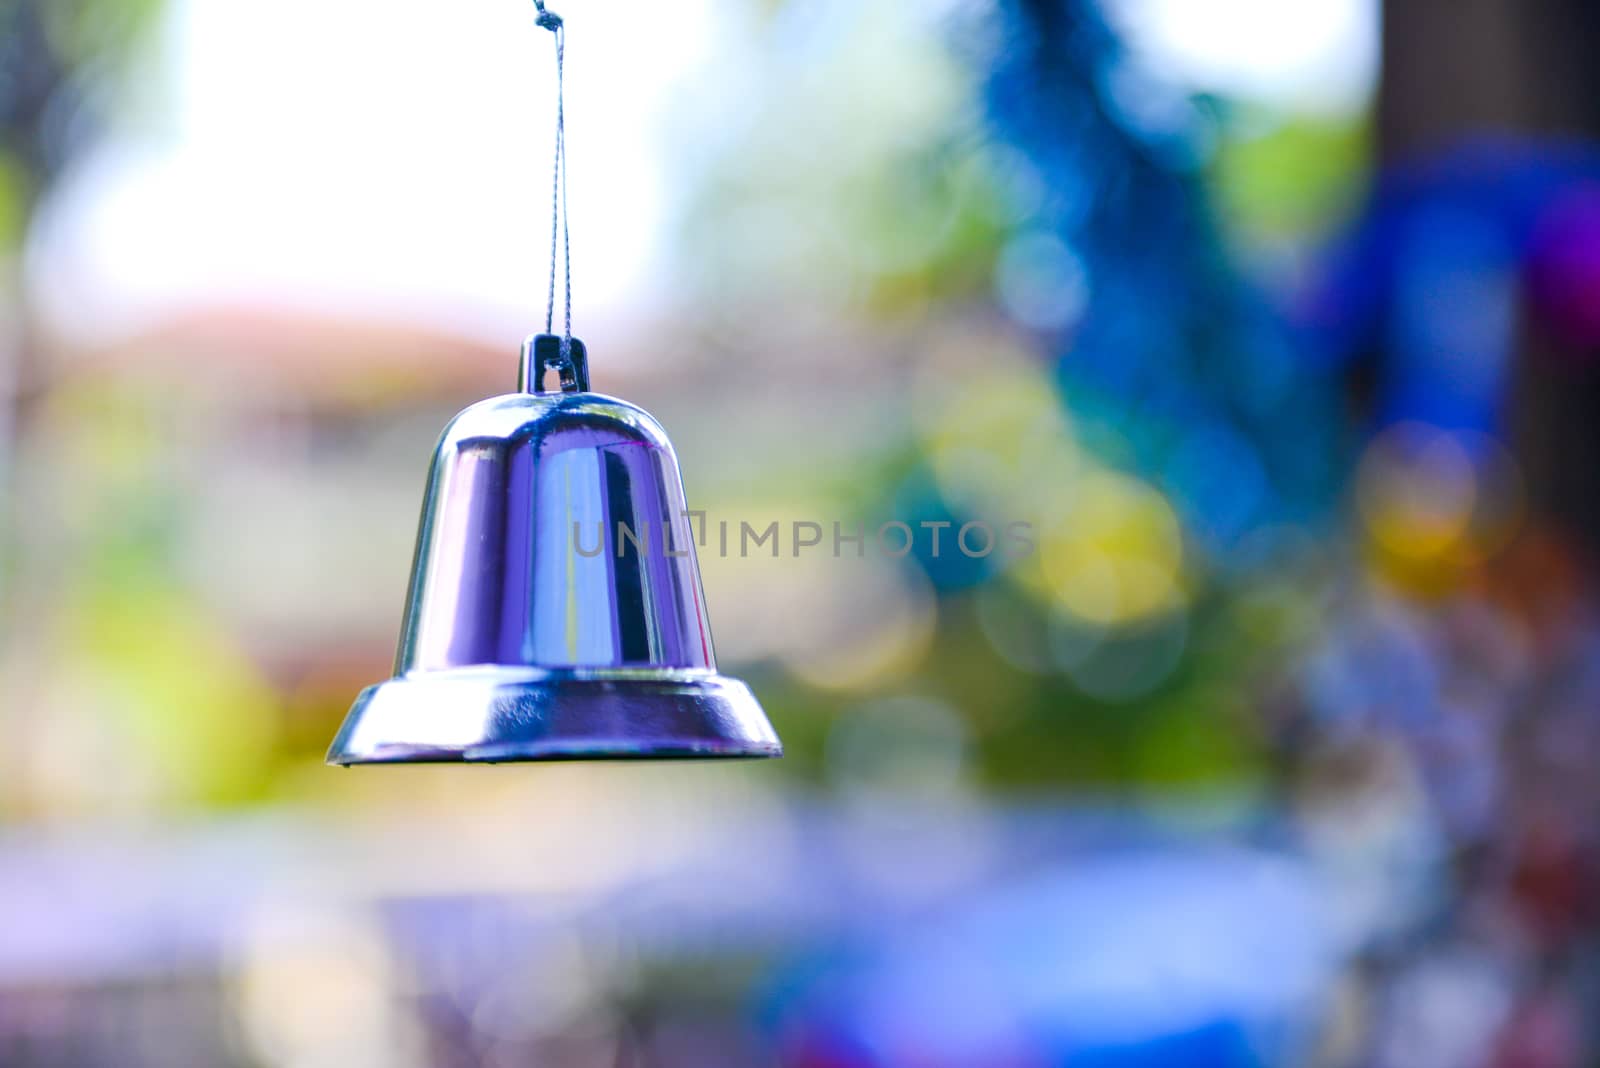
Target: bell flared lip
508	714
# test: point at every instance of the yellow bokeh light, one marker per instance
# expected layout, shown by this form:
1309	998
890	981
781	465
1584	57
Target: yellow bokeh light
1116	556
1109	547
1417	489
1002	447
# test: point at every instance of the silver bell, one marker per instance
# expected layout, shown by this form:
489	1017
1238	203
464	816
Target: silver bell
555	609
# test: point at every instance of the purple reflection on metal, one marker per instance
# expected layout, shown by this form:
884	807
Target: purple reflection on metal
516	644
498	577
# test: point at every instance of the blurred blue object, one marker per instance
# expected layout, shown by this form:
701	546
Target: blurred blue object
1185	957
1219	1045
1433	276
1191	369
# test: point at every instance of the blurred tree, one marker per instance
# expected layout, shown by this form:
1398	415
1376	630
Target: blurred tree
59	62
1174	348
58	59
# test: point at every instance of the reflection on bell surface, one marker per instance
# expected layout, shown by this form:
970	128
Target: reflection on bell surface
555	609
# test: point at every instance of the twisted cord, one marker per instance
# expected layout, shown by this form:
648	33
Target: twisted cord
560	230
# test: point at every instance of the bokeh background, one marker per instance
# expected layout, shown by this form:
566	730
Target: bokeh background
1279	322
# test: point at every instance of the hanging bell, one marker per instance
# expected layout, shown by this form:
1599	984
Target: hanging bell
555	609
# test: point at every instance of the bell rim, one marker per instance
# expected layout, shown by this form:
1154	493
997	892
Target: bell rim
515	714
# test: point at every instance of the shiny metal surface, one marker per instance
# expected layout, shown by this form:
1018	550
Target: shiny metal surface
555	608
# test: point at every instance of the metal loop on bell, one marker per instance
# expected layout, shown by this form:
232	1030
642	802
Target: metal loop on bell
541	353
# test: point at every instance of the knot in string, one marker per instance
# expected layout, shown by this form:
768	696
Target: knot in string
547	18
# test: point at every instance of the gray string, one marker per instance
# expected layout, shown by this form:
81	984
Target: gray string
558	190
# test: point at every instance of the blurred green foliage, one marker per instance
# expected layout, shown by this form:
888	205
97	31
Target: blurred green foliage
1289	176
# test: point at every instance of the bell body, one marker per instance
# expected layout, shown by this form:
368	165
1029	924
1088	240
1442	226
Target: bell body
555	608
